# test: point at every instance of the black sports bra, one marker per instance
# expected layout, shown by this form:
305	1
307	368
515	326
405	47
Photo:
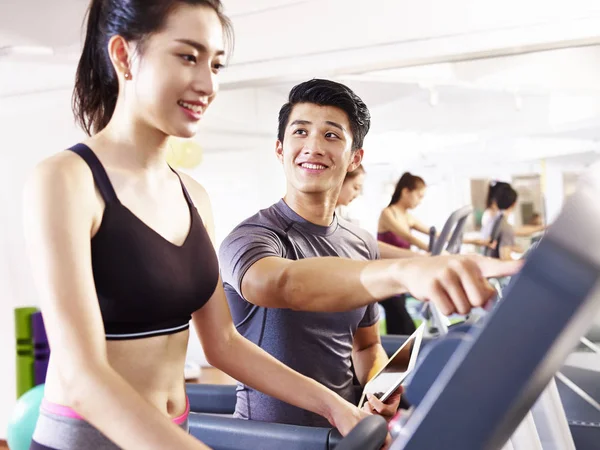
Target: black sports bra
146	285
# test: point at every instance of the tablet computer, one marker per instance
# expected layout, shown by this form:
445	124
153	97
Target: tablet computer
389	378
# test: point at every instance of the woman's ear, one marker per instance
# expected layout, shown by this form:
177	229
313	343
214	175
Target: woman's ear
119	51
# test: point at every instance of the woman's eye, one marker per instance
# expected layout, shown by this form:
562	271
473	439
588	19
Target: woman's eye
189	58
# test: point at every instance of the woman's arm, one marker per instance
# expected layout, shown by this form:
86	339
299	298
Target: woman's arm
528	230
415	224
389	222
479	242
230	352
59	218
388	251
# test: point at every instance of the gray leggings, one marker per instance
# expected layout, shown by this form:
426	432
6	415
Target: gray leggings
55	432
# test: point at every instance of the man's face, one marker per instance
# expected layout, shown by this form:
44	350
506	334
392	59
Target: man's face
316	152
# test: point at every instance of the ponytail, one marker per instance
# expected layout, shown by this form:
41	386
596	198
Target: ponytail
96	84
408	181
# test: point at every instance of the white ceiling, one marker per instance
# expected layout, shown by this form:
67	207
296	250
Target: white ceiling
476	107
57	24
433	73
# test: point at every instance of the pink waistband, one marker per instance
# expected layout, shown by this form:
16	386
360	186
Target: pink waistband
65	411
183	417
59	410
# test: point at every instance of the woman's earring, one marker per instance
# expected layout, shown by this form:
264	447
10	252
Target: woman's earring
127	75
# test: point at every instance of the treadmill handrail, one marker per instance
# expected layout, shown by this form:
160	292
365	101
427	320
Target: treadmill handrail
494	237
451	227
211	398
231	433
455	225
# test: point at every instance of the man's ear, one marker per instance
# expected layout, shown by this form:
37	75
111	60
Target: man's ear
357	157
279	150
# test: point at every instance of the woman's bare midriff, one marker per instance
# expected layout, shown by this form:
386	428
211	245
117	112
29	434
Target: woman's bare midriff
152	366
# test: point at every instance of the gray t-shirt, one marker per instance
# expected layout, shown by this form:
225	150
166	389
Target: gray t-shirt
316	344
506	236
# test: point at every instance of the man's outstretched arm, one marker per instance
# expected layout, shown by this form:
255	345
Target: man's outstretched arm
454	283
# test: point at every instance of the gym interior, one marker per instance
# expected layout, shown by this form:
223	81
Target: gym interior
465	95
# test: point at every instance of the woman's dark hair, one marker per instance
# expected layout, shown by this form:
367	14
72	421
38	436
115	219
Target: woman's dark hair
492	192
329	93
356	172
96	84
506	197
408	181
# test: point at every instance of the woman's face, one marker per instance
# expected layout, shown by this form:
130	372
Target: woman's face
176	78
413	198
351	189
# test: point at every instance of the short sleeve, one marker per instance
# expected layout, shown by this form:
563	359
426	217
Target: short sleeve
243	247
371	316
374	248
507	237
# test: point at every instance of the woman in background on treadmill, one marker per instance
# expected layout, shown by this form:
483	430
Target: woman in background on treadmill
395	225
497	191
395	222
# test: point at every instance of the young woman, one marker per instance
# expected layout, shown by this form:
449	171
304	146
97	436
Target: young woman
351	189
352	186
395	221
120	244
395	226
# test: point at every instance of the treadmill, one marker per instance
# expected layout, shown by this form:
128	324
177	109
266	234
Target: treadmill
499	366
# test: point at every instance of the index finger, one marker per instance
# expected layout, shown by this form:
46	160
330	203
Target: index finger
496	268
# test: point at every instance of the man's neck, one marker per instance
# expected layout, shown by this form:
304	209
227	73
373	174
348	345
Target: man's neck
317	208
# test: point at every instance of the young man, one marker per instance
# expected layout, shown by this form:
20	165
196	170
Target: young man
303	284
